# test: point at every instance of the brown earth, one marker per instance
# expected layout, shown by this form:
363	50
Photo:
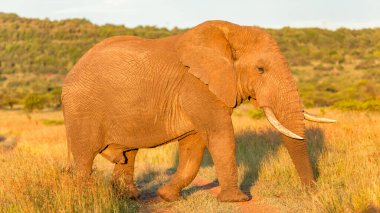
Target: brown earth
253	205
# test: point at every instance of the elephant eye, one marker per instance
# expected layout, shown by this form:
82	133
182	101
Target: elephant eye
260	70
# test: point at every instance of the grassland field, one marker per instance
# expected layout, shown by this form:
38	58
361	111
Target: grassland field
345	157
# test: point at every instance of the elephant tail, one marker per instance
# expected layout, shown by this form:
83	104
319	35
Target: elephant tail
68	167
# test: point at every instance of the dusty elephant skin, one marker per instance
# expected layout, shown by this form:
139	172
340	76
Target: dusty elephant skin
128	93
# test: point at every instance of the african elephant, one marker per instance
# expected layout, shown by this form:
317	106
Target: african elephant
128	93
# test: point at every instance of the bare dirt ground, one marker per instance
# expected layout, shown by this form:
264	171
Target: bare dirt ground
253	205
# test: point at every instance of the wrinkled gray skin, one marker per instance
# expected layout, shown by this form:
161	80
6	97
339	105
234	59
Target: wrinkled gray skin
128	93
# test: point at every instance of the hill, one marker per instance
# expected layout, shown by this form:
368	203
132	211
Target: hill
340	67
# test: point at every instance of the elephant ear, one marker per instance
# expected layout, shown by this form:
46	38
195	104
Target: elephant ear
207	53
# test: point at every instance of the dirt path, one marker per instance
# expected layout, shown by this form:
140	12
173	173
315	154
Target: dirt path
253	205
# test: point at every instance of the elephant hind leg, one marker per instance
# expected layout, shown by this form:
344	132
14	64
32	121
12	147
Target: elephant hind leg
191	149
122	176
85	141
83	160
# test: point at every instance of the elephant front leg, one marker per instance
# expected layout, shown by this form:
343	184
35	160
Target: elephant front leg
222	149
191	151
122	177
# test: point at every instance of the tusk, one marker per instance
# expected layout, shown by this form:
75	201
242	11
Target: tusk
276	124
311	117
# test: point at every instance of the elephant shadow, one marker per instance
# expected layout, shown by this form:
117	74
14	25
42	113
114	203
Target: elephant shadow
253	148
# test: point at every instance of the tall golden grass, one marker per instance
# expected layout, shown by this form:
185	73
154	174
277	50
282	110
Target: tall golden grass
345	156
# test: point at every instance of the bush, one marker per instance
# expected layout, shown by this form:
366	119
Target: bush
53	98
34	101
8	102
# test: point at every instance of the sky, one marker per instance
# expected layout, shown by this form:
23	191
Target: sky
329	14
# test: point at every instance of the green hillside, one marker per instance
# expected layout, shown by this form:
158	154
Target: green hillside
340	67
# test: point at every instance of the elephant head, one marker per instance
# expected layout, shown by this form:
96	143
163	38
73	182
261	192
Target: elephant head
242	62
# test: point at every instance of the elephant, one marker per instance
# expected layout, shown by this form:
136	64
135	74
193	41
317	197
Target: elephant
128	93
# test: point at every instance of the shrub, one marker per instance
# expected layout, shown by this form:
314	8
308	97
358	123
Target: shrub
9	102
34	101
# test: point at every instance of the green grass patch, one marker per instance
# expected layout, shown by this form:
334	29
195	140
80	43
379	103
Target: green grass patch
52	122
246	109
355	105
255	113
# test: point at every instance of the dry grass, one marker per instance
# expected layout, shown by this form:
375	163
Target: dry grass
346	157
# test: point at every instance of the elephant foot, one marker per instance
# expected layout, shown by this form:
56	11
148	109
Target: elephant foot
232	196
126	190
167	193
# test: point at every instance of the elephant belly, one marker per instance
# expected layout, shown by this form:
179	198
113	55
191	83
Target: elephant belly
144	129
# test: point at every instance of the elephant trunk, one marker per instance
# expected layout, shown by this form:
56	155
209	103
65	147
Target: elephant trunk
289	112
298	152
298	148
287	109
